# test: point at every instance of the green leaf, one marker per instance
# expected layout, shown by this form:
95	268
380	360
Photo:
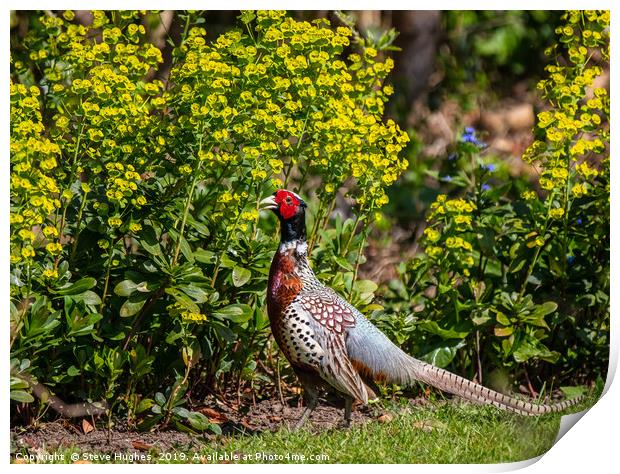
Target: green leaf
160	399
78	287
225	332
449	333
41	321
486	240
197	294
516	265
443	353
503	331
514	250
149	242
88	297
186	249
198	226
81	326
150	422
237	313
365	286
240	276
573	392
21	396
198	421
546	308
133	305
183	300
502	318
204	256
343	262
180	411
73	371
480	317
17	383
227	262
125	288
531	348
144	405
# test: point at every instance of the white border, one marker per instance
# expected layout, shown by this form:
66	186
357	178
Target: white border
591	446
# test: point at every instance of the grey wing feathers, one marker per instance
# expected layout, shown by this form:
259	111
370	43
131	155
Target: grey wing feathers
370	347
336	368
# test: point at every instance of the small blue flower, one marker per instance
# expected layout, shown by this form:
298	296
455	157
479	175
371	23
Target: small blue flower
447	178
570	259
490	168
469	136
579	221
486	187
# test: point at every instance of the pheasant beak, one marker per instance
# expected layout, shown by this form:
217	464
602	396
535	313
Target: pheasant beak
269	203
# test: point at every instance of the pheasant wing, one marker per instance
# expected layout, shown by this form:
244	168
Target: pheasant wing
329	309
316	336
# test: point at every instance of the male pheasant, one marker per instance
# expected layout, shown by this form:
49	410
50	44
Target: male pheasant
329	343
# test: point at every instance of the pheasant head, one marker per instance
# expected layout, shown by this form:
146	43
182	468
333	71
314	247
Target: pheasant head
291	211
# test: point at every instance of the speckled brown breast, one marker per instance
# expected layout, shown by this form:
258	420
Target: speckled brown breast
283	288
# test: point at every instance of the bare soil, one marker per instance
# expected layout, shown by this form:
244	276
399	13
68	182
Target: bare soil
266	415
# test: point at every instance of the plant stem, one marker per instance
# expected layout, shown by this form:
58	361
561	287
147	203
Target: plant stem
301	136
315	227
538	250
360	217
187	204
320	223
329	211
107	278
360	250
567	206
77	228
61	230
147	306
228	236
173	395
478	356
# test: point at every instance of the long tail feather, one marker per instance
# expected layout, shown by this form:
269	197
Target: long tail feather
452	383
375	356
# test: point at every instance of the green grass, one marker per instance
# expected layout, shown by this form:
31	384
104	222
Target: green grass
436	433
448	434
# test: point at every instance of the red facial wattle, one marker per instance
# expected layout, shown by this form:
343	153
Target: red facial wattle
287	203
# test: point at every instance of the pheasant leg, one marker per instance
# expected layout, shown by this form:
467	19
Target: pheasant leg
348	405
312	397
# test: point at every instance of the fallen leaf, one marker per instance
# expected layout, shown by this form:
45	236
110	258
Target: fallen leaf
246	424
213	415
140	446
385	418
87	427
428	425
423	425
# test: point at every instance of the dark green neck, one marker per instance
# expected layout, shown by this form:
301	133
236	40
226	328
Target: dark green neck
293	228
